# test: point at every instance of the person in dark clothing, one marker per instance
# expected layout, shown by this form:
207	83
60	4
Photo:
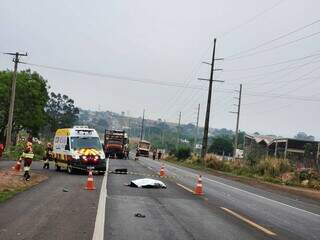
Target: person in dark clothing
159	155
27	157
48	156
154	154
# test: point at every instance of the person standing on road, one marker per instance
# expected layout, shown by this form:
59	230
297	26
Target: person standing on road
48	155
159	155
27	157
154	154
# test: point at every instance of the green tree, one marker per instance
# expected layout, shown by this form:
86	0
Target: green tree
61	112
30	101
220	145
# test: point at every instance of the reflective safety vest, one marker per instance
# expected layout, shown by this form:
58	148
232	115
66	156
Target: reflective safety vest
27	155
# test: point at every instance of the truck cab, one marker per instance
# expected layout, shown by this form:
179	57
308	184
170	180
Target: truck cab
116	143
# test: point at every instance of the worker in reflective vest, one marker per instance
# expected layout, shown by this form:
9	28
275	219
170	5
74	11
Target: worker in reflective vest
48	156
27	157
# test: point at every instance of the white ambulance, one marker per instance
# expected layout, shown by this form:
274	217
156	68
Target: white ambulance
78	148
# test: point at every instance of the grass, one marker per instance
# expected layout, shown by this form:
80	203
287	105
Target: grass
8	193
240	172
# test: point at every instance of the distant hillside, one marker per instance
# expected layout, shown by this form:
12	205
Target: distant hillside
160	133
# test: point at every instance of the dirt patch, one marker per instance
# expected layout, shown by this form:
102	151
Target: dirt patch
12	182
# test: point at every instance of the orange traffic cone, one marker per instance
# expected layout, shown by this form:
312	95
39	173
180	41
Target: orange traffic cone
162	173
199	189
17	166
90	182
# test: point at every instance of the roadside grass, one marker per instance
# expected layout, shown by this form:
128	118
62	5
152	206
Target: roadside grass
269	170
12	182
9	193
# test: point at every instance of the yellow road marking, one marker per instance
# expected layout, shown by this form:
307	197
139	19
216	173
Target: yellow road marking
185	188
249	222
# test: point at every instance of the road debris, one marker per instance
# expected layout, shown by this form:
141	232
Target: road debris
140	215
146	183
120	171
65	190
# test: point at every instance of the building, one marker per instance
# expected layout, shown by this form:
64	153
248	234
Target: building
300	153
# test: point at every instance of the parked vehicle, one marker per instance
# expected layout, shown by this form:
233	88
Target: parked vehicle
78	148
116	143
143	148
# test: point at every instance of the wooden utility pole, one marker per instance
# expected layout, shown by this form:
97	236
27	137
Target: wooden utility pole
206	123
13	96
178	137
142	126
197	128
237	125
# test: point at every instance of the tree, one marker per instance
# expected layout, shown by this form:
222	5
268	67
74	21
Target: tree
304	136
30	101
220	145
61	112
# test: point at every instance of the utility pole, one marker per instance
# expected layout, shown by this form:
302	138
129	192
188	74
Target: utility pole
197	128
206	123
237	125
13	96
142	126
179	129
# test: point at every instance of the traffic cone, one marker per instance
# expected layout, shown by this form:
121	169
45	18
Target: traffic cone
199	189
17	166
90	182
162	173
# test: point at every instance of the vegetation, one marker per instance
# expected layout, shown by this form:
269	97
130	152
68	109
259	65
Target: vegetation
36	112
221	145
267	169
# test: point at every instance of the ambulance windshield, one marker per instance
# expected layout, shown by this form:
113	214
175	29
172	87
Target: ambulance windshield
85	142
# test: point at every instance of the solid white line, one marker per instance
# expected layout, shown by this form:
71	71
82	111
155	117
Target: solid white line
98	233
185	188
247	192
253	224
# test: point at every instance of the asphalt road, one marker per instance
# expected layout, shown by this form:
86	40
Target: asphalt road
46	212
287	217
228	210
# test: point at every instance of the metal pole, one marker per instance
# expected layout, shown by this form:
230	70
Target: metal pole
178	137
197	128
206	124
142	126
237	126
13	96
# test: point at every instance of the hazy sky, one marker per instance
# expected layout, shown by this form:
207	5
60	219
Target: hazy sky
166	41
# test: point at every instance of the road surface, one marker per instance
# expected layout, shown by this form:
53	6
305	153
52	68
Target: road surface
228	210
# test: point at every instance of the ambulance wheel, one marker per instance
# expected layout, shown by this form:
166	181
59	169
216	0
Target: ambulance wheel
70	169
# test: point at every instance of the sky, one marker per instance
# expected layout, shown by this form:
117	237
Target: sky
137	48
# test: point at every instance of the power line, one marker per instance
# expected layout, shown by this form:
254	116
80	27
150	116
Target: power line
272	64
273	40
252	18
275	47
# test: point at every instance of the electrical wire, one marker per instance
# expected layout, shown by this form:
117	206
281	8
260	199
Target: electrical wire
275	47
273	40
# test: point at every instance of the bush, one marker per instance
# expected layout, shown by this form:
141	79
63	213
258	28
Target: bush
273	167
15	152
213	162
183	152
194	159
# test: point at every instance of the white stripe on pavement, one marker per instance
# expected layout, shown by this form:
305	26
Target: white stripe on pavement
98	233
244	191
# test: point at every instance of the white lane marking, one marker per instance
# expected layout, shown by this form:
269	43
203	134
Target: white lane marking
98	233
185	188
247	192
251	223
